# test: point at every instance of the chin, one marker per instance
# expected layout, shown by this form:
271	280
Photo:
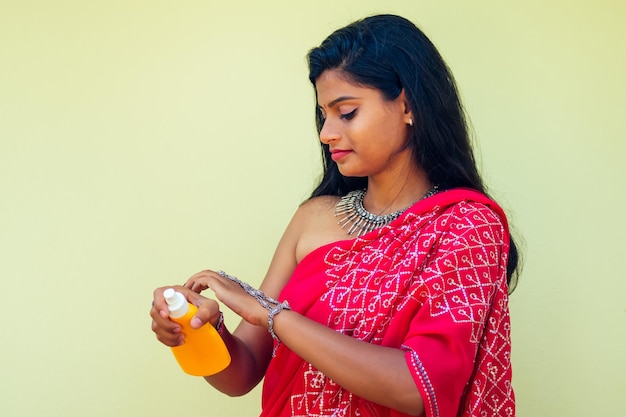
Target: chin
351	172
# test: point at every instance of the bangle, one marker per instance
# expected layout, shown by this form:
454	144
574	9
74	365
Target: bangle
270	323
219	326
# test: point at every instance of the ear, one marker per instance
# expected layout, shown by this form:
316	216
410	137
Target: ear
406	108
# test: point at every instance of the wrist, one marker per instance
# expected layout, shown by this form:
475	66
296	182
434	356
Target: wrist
219	325
270	322
268	306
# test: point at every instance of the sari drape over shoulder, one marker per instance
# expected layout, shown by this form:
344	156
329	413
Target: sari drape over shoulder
432	283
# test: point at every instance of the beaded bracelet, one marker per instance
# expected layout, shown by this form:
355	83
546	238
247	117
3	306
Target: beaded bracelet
271	305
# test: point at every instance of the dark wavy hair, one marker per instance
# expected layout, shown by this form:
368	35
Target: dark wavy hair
391	54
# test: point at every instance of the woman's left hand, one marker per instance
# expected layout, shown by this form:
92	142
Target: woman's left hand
231	294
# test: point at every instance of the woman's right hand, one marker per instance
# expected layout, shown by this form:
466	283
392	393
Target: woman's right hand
169	332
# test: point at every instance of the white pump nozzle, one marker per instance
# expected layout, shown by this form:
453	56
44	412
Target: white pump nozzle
176	303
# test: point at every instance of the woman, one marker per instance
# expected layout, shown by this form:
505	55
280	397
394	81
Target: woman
387	294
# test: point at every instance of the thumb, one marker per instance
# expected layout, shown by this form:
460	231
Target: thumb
196	322
204	316
208	311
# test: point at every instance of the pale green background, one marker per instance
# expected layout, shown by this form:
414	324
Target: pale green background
142	141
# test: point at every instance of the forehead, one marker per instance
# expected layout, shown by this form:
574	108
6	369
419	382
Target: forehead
334	84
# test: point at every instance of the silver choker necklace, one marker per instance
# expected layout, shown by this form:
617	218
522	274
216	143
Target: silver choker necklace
357	219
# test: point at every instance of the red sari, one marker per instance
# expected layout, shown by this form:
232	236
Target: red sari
432	283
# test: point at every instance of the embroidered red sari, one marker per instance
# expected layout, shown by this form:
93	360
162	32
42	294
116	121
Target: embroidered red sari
432	283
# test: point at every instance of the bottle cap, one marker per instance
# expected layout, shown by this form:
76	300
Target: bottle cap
176	303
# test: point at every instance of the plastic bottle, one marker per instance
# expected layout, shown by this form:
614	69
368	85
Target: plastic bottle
203	353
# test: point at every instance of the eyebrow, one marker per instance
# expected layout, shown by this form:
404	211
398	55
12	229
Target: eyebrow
339	100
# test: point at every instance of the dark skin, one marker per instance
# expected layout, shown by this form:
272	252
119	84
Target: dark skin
369	135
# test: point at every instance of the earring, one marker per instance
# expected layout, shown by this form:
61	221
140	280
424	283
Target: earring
411	122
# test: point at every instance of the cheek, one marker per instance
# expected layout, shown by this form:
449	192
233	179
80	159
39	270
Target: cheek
389	135
398	133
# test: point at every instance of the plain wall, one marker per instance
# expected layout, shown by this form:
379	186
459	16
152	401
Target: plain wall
143	141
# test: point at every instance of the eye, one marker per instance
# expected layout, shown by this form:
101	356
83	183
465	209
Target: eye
349	116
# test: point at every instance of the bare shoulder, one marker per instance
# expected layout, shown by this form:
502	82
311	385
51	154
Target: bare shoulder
317	224
317	206
312	226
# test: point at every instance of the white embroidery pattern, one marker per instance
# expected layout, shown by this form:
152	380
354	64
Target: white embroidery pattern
322	397
464	295
439	260
369	282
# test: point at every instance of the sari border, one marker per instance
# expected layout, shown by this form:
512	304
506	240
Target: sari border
425	386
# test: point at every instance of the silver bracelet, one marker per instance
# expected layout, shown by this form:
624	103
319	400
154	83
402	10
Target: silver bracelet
270	323
263	299
219	326
271	305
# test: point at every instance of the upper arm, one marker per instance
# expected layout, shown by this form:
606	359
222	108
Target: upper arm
312	226
307	230
257	340
284	260
467	268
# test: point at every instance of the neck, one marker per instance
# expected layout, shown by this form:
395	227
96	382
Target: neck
395	192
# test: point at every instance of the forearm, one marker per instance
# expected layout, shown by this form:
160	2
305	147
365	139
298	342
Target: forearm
375	373
245	370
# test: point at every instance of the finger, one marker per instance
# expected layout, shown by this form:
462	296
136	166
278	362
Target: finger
191	295
169	338
195	298
163	322
160	312
166	331
190	283
158	304
208	312
197	282
196	286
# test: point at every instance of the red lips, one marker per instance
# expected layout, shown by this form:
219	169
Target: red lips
338	154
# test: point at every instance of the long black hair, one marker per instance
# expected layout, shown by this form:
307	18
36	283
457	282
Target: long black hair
391	54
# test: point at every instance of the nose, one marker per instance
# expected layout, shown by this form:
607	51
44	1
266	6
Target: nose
329	132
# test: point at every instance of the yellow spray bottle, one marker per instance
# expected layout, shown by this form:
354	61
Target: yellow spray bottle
203	353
